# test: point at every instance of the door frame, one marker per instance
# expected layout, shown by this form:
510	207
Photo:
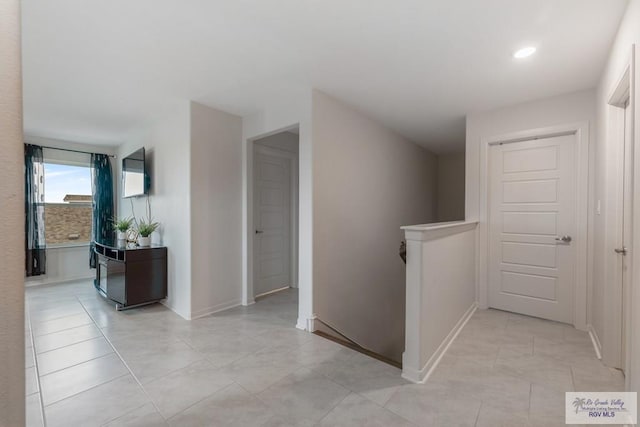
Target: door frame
293	208
583	238
614	301
248	293
613	298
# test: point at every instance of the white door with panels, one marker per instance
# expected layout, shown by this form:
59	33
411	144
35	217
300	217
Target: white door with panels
532	227
272	216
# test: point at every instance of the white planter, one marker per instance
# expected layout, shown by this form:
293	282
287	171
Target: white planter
144	241
122	235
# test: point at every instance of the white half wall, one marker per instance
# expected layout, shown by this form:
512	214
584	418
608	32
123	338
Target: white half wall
368	182
216	210
65	264
441	283
167	142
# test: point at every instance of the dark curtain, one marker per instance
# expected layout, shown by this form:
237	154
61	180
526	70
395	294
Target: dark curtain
35	245
102	185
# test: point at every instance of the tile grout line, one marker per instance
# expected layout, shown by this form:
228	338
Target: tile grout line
66	329
61	347
334	407
533	345
90	388
349	391
573	378
122	415
37	371
124	363
385	405
75	364
53	319
530	397
206	397
478	414
68	345
402	416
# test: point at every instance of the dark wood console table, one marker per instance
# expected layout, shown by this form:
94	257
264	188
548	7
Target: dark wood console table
131	275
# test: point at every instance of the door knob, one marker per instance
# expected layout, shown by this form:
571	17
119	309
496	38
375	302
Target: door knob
622	250
259	231
565	239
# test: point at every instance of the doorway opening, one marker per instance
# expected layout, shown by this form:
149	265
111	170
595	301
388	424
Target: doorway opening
275	214
531	182
532	228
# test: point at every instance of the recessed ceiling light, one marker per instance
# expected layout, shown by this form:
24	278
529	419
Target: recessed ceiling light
524	52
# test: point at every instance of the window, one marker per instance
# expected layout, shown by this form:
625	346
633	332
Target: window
67	197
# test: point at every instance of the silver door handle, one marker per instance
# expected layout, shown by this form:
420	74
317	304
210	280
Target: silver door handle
622	250
259	231
565	239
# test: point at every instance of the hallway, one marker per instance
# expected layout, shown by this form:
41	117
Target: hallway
248	366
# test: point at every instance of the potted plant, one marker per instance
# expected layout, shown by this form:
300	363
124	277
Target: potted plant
122	226
145	228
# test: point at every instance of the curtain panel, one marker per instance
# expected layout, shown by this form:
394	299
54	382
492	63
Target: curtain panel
35	244
102	186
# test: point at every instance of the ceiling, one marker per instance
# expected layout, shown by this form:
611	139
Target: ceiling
94	70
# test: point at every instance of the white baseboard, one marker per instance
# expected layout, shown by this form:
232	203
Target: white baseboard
272	292
308	325
214	309
422	375
30	282
595	340
166	304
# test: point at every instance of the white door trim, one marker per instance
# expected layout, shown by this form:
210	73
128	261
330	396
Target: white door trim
612	297
632	377
581	131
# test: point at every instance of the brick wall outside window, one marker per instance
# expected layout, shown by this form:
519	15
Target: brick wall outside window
67	222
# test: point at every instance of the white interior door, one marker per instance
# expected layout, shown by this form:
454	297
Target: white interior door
272	216
532	227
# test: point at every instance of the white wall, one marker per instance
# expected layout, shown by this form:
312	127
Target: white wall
441	270
628	34
368	182
570	109
290	109
65	264
12	391
216	210
167	143
450	187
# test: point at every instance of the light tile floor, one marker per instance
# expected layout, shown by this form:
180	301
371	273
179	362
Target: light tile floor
88	365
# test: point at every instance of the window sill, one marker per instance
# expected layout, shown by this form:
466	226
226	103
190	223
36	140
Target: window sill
68	245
